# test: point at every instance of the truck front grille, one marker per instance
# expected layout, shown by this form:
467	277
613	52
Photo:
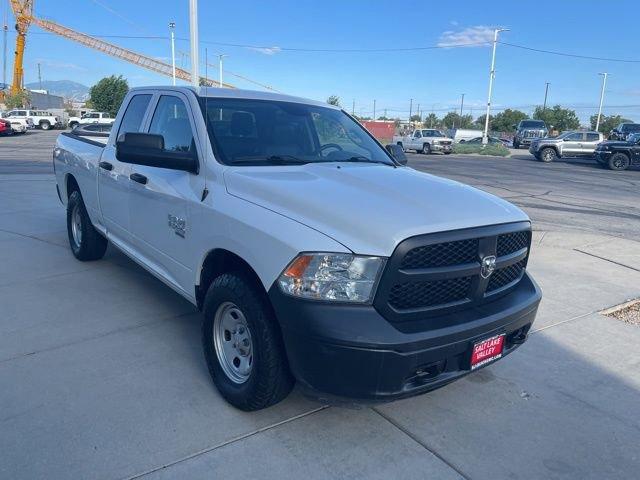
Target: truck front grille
433	273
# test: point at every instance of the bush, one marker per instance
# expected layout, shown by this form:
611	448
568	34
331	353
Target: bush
494	150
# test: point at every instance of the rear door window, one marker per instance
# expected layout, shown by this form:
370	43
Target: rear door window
133	116
171	120
593	137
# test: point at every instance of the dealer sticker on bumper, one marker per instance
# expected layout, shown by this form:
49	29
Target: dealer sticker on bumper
486	351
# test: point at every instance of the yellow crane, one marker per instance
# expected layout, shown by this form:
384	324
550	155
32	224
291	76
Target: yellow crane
23	11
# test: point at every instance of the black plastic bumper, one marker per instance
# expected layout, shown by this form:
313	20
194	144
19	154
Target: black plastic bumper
352	351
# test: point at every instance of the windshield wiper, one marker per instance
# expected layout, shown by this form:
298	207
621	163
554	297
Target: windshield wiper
271	160
360	159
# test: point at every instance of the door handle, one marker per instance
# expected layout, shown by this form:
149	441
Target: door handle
106	166
138	177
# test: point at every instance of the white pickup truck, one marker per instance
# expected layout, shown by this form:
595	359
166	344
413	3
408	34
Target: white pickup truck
425	140
39	118
91	117
313	254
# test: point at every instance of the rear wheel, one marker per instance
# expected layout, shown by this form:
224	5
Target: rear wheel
45	125
516	144
73	125
548	155
85	241
619	161
242	344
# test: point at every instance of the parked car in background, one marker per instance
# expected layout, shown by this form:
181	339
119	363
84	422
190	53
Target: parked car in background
619	154
313	257
98	132
461	135
90	117
40	118
5	127
623	130
568	144
527	131
425	140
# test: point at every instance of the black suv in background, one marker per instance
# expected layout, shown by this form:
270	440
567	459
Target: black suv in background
618	154
527	131
622	131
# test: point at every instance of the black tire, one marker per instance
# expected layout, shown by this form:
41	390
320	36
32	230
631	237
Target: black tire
619	161
447	153
90	245
548	155
45	125
400	144
73	125
426	149
516	145
269	380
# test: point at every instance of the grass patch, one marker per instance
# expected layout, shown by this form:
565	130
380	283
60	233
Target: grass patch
494	150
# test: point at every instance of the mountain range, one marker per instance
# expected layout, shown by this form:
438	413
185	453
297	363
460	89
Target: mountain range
64	88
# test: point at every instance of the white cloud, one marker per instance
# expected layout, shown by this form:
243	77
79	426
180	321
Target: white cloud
477	36
266	50
454	23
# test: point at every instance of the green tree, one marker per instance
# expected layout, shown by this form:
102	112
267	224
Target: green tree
334	100
431	121
479	123
17	100
505	121
559	118
607	122
415	118
453	119
107	95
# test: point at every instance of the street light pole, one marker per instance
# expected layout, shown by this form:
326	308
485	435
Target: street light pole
220	68
172	26
461	105
492	74
410	109
193	34
604	84
546	92
374	110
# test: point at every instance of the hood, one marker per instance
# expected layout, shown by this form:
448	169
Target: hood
369	208
615	143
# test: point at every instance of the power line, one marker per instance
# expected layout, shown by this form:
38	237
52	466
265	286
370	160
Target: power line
573	55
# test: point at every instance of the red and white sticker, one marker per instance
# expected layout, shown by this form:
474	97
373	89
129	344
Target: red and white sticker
486	351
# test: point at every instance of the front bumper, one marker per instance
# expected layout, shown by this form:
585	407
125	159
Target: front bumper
352	351
436	147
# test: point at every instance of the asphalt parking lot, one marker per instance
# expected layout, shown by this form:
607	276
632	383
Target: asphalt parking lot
102	375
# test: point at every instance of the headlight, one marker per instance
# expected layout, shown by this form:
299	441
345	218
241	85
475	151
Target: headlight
340	277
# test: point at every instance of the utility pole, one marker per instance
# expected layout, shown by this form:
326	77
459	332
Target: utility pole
374	110
193	34
172	27
461	105
5	29
410	109
220	67
604	84
492	74
39	77
546	92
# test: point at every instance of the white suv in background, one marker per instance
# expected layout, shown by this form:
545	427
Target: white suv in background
91	117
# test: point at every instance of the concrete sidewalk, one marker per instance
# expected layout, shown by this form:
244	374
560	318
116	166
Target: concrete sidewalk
102	377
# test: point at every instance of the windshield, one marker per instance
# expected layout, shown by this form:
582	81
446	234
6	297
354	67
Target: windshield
432	133
264	132
532	124
632	127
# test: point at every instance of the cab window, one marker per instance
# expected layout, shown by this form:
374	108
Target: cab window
171	120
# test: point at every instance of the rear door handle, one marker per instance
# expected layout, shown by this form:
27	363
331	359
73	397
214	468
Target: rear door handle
138	177
106	166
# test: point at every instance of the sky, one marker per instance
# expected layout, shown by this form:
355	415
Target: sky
268	42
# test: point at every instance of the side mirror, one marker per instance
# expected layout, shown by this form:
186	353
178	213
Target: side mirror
397	153
148	149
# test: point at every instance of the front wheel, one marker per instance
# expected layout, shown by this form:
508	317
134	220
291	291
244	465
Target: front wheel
85	241
548	155
619	161
426	149
242	344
